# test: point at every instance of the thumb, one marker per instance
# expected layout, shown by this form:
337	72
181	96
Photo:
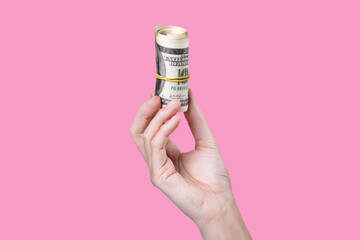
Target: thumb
198	124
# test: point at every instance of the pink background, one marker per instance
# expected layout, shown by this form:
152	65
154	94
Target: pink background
278	82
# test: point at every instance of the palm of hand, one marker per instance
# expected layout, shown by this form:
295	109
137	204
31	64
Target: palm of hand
202	180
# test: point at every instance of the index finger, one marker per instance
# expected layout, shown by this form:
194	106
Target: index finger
143	117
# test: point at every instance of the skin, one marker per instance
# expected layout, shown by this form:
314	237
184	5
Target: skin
197	182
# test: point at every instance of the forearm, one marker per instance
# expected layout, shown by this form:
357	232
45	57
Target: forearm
227	224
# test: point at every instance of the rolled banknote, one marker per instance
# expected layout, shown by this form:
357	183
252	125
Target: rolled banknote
172	50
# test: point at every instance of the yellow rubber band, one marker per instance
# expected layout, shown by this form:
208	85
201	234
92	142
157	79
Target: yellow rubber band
175	79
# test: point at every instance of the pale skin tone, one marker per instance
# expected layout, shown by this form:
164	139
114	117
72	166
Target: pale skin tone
197	182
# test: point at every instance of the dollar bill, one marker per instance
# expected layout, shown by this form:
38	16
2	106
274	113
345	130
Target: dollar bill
172	53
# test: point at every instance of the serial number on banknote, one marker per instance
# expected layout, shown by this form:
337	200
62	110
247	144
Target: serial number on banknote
179	88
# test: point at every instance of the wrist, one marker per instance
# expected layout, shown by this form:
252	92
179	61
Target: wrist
224	222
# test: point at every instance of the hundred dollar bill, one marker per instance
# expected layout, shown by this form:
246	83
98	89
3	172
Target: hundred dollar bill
172	52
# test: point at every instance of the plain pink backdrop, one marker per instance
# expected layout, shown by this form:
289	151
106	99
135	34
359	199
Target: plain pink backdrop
278	82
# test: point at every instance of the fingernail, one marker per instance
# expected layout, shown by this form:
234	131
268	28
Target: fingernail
152	99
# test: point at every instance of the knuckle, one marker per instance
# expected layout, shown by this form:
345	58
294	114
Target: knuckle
214	143
132	131
161	114
146	137
155	142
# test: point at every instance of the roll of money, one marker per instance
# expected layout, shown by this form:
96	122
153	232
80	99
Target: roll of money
172	52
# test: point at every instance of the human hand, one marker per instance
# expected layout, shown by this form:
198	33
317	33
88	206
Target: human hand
196	181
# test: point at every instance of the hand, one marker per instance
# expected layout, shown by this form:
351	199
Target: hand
196	181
